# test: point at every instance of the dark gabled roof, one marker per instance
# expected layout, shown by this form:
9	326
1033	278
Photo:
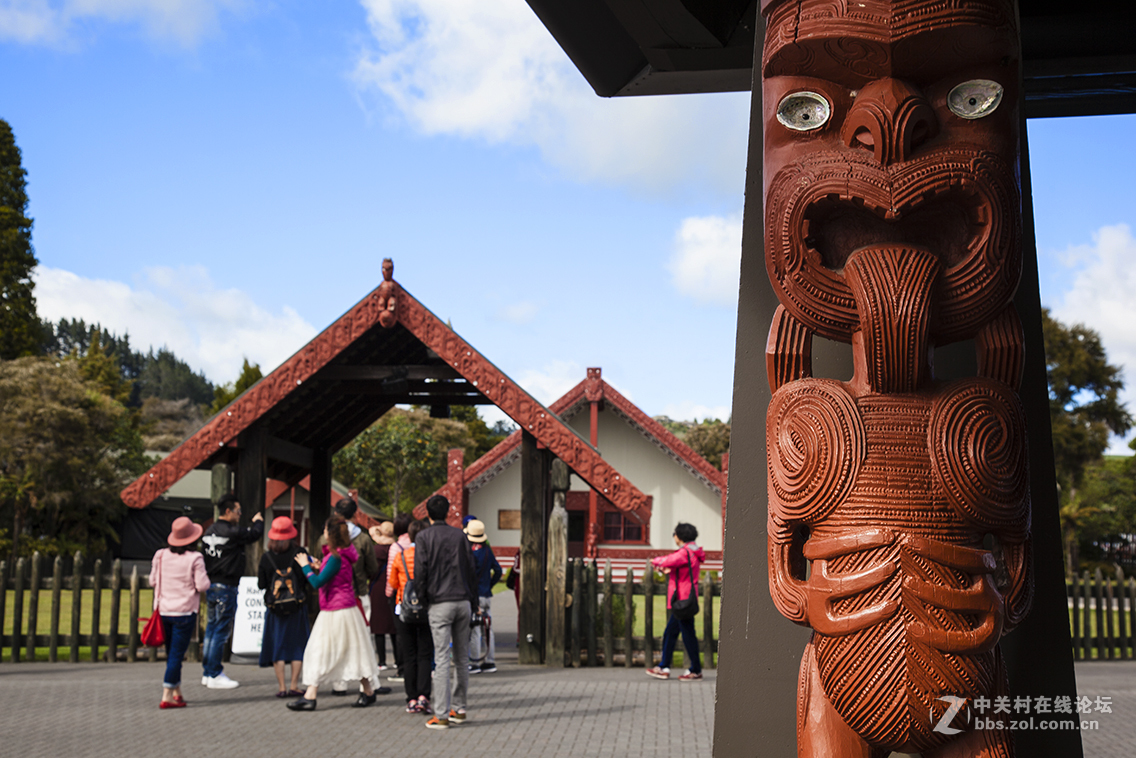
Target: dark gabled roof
351	374
1079	58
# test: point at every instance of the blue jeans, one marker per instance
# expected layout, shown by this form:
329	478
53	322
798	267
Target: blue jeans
178	631
222	603
689	639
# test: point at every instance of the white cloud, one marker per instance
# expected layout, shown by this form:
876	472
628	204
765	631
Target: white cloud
211	329
549	383
1101	297
491	71
707	256
49	21
690	411
519	313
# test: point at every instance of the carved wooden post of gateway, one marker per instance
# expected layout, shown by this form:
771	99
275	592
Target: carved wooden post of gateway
899	509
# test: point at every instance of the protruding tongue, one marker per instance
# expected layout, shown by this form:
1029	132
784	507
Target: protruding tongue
892	285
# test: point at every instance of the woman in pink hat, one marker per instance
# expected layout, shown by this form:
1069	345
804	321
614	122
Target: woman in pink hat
286	626
177	574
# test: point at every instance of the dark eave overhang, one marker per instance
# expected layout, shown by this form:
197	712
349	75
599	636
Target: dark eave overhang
1079	58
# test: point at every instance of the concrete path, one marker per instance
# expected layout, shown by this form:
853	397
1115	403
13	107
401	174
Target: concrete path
96	710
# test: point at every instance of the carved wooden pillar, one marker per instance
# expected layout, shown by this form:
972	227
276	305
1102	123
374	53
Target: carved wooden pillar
455	487
534	487
593	393
557	568
252	476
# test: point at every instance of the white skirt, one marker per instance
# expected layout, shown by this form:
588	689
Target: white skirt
339	649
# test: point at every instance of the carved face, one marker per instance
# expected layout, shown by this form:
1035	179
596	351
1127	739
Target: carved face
388	269
892	124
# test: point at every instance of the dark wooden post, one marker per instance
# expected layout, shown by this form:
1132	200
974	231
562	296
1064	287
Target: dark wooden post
33	606
3	601
56	606
629	618
115	609
591	569
576	611
252	478
649	615
76	606
1086	617
319	497
18	613
1121	616
608	632
1108	633
707	591
534	485
1074	588
96	609
557	568
1098	598
132	643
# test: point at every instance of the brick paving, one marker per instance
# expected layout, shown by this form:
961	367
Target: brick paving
96	710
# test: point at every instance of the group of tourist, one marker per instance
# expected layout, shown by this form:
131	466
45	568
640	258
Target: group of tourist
420	581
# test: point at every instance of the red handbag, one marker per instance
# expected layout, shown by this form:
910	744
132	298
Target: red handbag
153	635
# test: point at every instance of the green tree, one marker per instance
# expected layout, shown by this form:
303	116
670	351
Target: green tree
66	451
710	439
1105	511
484	437
1084	410
227	393
20	332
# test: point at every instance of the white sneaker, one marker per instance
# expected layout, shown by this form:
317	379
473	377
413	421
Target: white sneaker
205	680
222	682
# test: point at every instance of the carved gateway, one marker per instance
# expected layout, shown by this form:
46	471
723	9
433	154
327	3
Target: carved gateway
899	509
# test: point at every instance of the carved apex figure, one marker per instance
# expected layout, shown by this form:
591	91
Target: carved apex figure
388	295
899	507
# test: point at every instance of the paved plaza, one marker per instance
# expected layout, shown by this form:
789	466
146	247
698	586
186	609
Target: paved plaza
100	710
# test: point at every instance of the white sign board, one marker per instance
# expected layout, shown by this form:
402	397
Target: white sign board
248	627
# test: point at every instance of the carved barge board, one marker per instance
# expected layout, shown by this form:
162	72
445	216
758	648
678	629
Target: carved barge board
259	399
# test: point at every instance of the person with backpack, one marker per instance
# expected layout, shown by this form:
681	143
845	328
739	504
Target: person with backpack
413	629
682	569
482	641
286	627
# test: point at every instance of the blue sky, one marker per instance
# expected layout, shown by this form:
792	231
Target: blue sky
225	176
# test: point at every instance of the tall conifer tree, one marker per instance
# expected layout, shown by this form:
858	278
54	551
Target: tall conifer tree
20	331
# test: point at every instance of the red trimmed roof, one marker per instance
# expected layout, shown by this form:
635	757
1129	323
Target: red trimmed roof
315	386
505	452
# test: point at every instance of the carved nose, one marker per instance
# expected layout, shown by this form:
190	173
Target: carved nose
892	119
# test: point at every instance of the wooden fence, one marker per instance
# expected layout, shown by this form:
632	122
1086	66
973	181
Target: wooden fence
20	638
1103	611
593	640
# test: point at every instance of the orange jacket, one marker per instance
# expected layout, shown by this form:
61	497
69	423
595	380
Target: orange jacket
399	575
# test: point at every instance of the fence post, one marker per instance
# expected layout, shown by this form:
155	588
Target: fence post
577	603
1075	604
76	605
115	609
1109	636
1086	634
1098	598
56	604
592	607
609	636
649	616
3	602
132	643
18	613
629	618
33	606
1121	615
1132	614
96	609
707	590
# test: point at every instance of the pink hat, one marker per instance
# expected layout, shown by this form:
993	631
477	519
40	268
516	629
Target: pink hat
184	532
282	529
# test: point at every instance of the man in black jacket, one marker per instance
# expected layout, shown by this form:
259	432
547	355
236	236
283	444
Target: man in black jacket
225	541
445	578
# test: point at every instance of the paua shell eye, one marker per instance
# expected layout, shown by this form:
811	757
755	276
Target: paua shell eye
804	111
975	99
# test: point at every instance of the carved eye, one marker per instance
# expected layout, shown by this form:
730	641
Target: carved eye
975	99
803	111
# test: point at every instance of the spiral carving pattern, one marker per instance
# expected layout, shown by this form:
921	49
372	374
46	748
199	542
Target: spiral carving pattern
816	445
977	439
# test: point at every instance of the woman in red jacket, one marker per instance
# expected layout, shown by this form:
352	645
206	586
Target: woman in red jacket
682	569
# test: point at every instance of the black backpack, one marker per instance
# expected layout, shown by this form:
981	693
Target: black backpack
285	593
412	610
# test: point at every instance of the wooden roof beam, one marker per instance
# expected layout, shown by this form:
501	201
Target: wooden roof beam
372	373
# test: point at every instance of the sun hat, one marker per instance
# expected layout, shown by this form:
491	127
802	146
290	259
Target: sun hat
476	531
184	532
282	529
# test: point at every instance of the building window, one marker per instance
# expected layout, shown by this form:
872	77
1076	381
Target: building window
620	528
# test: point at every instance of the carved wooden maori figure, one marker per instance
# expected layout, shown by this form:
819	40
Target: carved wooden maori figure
899	507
